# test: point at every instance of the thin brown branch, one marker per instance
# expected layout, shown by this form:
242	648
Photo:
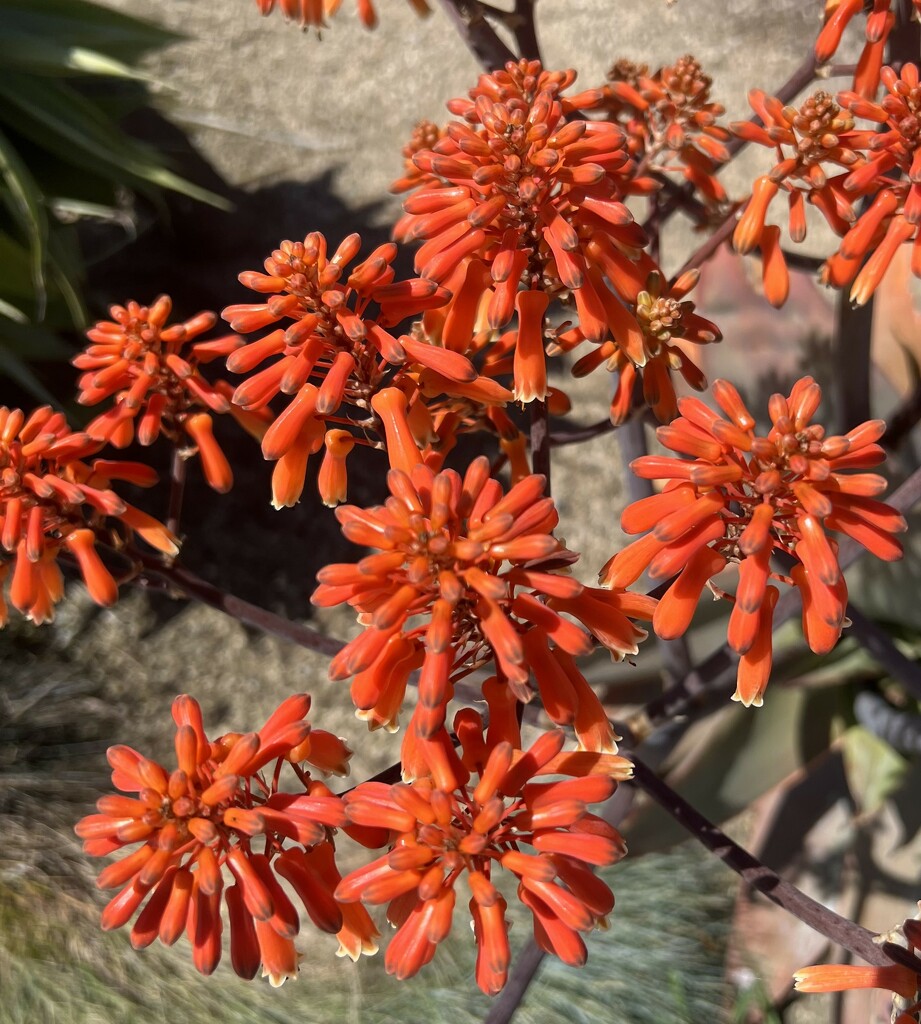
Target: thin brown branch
710	246
525	29
506	1003
853	937
187	584
578	434
469	18
179	465
903	420
540	441
800	261
850	349
904	43
877	642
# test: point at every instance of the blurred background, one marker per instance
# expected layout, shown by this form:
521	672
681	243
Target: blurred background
181	142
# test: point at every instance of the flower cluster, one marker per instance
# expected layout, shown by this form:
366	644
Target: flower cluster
514	194
313	13
51	501
145	366
890	178
464	576
474	814
204	816
744	498
650	345
445	409
809	142
335	350
670	121
825	160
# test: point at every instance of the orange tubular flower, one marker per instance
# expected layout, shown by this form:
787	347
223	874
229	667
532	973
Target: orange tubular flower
740	498
880	21
203	817
52	501
313	13
901	980
446	824
659	317
670	121
152	372
335	350
810	142
892	175
524	190
464	575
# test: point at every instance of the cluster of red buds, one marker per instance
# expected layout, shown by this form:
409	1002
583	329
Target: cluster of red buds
516	193
313	13
52	502
475	407
152	372
891	178
521	193
517	203
878	167
336	351
206	815
809	141
738	497
670	121
880	22
464	576
474	813
650	343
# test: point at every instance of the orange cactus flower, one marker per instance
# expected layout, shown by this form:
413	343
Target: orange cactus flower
446	825
202	817
335	350
670	121
880	21
892	176
452	407
313	13
524	190
152	372
736	496
463	575
900	979
52	499
842	977
817	149
657	324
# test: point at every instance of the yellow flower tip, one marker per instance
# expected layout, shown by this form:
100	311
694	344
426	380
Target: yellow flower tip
355	952
276	980
752	702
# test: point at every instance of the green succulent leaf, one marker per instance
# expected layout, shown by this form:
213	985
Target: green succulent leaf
874	770
84	24
38	56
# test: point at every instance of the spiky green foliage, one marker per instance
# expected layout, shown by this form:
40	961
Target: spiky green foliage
67	77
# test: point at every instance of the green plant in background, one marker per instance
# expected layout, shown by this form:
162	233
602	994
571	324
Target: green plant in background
68	77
